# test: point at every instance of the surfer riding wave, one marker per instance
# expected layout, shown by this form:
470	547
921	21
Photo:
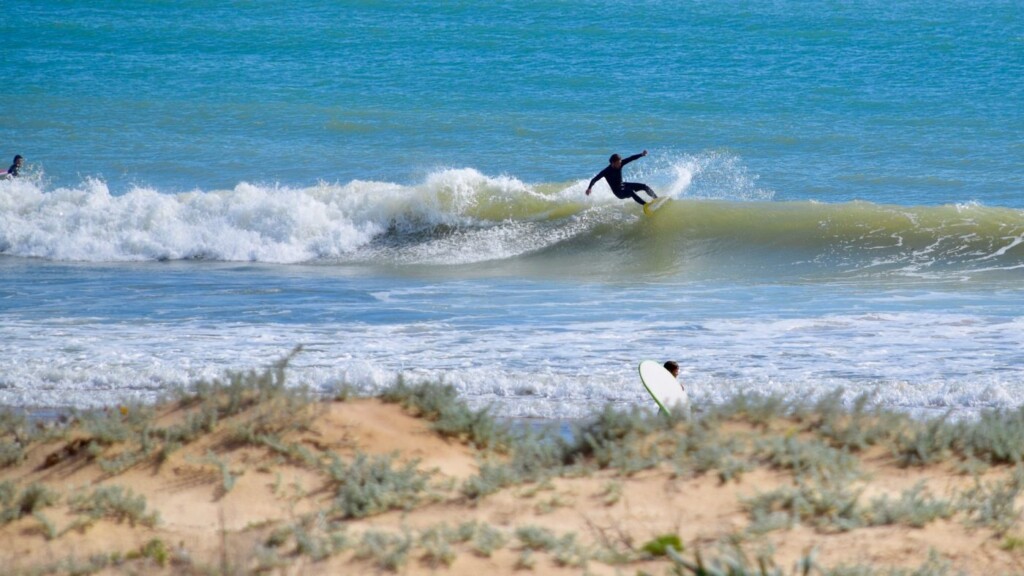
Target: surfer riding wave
613	175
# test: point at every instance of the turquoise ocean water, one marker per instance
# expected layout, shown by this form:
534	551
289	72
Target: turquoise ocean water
398	187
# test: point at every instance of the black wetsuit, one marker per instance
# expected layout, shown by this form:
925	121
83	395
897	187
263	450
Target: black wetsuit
13	170
623	189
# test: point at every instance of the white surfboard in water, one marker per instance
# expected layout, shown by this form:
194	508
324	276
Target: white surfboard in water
663	387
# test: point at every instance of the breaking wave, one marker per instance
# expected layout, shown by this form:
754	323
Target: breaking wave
461	217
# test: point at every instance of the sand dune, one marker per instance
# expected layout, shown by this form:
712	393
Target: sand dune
248	476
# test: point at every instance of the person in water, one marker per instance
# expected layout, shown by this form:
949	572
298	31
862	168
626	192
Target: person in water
12	172
613	175
673	369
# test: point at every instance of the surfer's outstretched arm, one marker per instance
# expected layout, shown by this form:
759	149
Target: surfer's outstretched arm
595	179
634	157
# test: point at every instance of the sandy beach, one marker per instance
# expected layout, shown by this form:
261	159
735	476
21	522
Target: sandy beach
248	476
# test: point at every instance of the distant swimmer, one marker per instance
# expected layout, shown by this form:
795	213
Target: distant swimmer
613	175
12	172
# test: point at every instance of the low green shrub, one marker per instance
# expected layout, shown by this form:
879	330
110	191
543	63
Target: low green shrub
121	462
487	540
737	563
32	499
449	415
913	508
105	428
387	551
993	504
659	546
569	552
534	456
703	450
11	452
236	392
536	538
827	504
611	440
935	565
15	437
116	503
924	443
803	456
370	485
154	550
436	543
318	546
995	437
857	428
754	408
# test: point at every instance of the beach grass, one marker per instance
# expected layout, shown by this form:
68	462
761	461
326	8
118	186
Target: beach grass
412	480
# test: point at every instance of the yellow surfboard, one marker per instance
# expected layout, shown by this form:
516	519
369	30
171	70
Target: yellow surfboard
655	205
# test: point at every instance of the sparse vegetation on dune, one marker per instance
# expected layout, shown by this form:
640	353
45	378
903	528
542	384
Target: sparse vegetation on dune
285	481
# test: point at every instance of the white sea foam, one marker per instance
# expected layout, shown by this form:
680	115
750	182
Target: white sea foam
248	223
498	216
554	368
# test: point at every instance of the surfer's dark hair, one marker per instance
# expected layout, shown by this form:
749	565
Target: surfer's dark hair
613	158
671	366
18	157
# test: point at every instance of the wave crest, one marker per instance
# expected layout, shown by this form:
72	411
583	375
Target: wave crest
461	216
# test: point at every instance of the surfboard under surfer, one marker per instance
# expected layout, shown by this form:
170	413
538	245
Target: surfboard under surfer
613	175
